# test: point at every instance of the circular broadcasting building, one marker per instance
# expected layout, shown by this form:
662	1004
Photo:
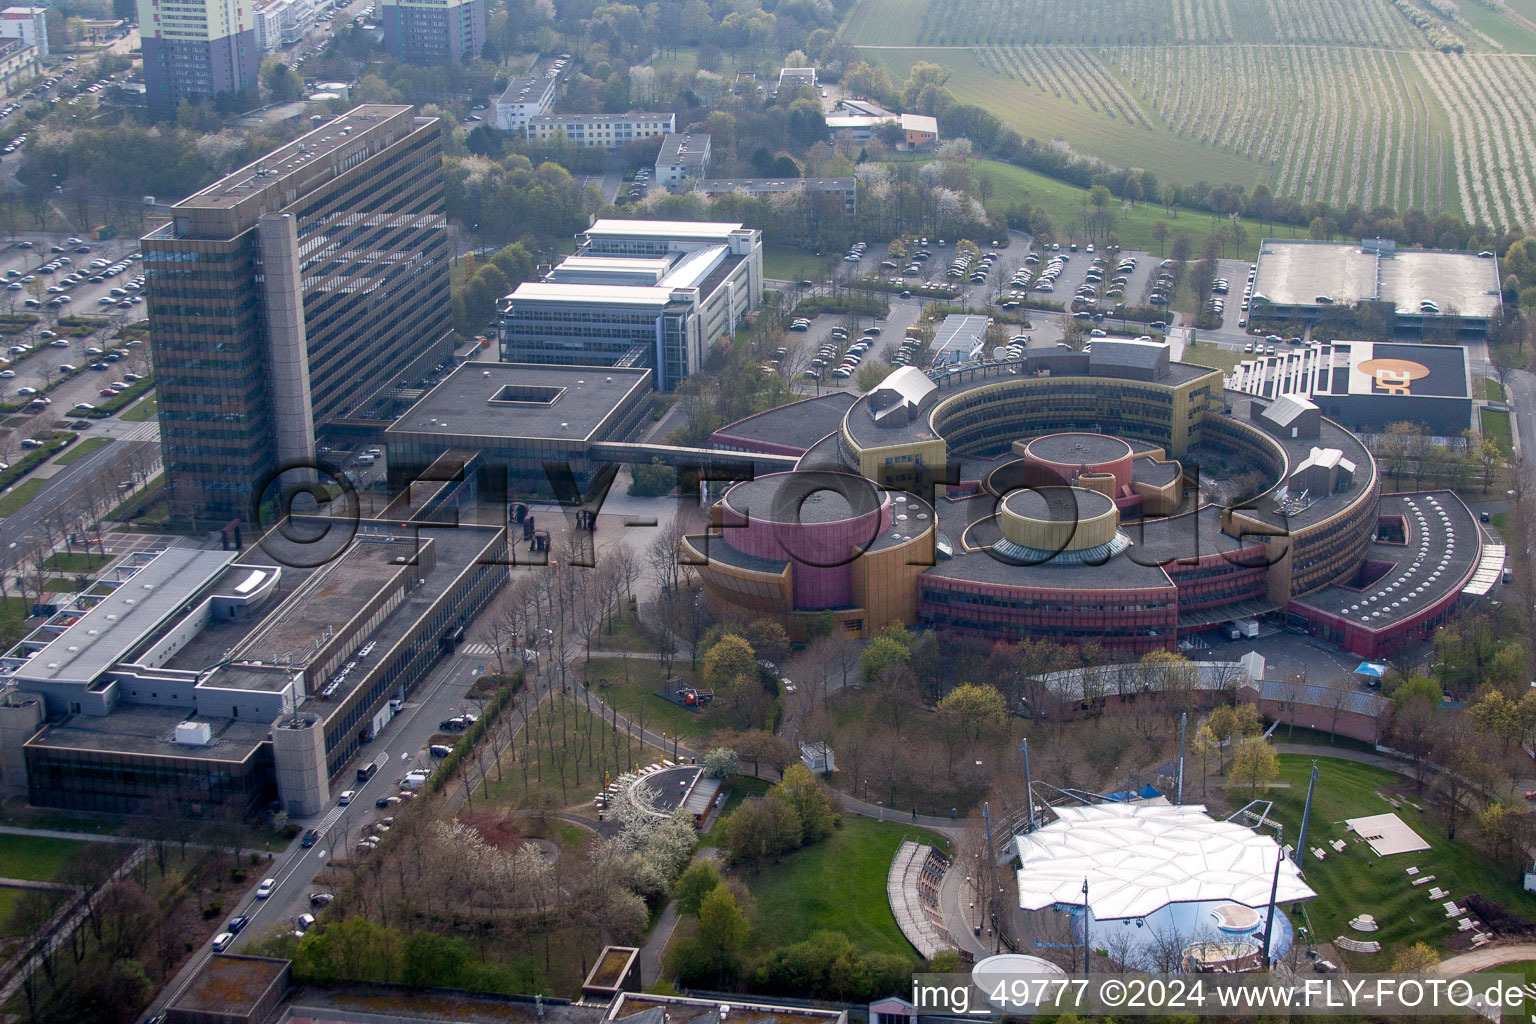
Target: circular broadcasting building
1110	495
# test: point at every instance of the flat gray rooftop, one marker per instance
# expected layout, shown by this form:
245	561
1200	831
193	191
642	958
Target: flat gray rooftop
148	730
327	601
797	425
1079	448
105	634
1443	544
1296	273
313	147
472	401
805	497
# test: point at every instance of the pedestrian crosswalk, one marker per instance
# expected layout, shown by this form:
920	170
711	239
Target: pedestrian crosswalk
149	430
483	650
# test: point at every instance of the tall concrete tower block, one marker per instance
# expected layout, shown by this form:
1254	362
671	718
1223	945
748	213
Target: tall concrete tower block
289	343
298	751
21	715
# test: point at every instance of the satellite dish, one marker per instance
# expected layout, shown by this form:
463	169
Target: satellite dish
1000	352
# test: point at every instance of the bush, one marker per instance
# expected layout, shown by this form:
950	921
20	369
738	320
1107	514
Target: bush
107	406
36	457
861	305
827	965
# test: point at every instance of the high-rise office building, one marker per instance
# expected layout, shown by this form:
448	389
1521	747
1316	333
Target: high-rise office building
196	49
293	294
433	31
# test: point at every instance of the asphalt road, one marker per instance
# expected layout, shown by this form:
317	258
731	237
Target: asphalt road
60	488
400	746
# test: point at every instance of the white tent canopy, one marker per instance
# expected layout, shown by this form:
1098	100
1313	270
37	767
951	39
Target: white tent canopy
1138	858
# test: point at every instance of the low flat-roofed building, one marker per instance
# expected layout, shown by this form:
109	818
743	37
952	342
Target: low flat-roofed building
599	131
528	95
1367	385
638	293
203	678
922	131
520	418
863	121
795	78
1428	290
845	190
682	156
232	989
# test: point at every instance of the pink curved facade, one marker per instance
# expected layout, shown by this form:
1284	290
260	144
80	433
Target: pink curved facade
1043	471
822	554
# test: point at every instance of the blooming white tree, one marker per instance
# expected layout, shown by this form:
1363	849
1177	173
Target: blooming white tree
721	762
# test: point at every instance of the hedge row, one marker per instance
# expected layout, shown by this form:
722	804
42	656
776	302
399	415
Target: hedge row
122	399
473	734
36	457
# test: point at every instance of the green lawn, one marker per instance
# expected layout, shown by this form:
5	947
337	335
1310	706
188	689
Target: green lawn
77	561
1134	226
1496	428
1357	881
836	885
1525	968
783	263
17	497
565	762
1489	388
38	858
143	411
84	446
1211	355
637	698
623	633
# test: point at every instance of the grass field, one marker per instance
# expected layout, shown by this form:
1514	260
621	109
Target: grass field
14	499
567	772
637	700
1133	225
837	885
783	263
1223	359
142	411
77	561
1347	102
80	448
1487	387
1357	881
36	858
1496	427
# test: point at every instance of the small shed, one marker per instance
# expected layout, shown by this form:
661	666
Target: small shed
818	757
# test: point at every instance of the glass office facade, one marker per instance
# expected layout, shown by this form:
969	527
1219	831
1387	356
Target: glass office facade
373	254
122	782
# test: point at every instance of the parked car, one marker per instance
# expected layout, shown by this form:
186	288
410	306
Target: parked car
222	940
346	797
266	888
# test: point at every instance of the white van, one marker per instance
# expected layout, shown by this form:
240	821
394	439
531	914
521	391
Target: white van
365	460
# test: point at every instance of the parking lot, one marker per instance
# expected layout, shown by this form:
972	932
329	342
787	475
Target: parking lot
801	346
89	295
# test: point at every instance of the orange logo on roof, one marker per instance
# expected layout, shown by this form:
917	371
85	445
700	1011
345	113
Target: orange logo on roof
1394	376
